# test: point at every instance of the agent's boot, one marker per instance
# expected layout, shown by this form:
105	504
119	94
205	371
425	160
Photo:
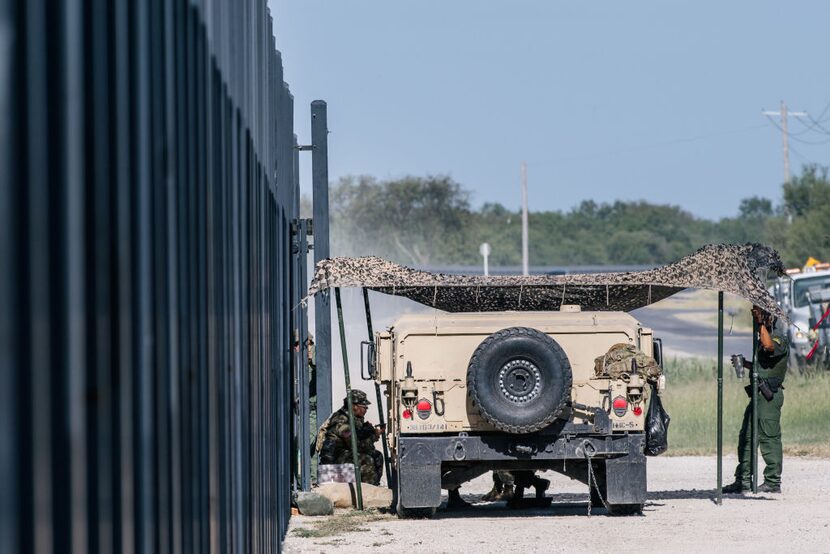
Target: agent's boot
768	487
495	493
541	485
735	488
454	500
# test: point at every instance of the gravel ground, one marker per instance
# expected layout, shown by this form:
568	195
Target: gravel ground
679	516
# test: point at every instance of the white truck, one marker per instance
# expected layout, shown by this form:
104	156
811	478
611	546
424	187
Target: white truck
804	295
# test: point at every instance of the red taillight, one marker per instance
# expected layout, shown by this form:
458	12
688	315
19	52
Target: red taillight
406	414
424	408
637	411
620	406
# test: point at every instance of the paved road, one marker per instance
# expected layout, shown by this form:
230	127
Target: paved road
687	338
680	337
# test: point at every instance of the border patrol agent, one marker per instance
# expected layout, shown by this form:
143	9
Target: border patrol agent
773	350
335	436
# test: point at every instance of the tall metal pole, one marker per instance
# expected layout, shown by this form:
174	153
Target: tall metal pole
754	387
320	224
720	398
386	463
785	137
525	265
355	454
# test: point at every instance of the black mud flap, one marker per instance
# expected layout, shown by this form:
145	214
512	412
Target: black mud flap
625	479
419	477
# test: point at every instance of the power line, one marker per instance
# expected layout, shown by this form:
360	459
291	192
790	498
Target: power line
818	123
814	122
795	137
801	156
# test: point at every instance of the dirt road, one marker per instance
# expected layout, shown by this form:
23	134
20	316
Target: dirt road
679	516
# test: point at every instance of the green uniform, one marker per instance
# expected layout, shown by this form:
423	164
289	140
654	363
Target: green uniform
772	368
334	442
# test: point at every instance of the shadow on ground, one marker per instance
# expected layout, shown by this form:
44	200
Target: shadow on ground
703	494
576	504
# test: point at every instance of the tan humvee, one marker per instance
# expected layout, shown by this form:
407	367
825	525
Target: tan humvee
472	392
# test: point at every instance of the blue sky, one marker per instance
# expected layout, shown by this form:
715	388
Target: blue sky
605	100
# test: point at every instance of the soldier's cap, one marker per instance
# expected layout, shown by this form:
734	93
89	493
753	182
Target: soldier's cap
358	398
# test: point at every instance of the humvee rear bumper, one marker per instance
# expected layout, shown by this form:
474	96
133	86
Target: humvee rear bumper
428	463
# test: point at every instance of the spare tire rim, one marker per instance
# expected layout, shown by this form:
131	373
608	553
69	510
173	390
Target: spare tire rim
520	380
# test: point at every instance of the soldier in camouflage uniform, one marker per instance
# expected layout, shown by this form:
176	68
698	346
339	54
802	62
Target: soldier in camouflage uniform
312	399
334	440
773	351
502	487
510	486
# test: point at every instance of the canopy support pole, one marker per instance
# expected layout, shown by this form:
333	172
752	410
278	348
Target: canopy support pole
355	454
387	465
754	387
720	398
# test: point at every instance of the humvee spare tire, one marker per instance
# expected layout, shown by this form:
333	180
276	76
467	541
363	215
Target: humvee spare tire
520	379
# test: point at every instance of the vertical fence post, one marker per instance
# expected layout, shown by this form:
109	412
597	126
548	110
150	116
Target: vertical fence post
144	392
720	398
320	221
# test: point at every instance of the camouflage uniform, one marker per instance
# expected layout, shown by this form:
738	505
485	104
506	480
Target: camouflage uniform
335	441
502	487
505	478
312	393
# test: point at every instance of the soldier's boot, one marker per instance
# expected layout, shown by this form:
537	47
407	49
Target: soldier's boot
495	493
541	485
768	487
507	493
454	500
735	488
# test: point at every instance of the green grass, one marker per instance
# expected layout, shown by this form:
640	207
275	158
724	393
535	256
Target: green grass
691	401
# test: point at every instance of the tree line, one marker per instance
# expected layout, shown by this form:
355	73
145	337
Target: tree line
429	221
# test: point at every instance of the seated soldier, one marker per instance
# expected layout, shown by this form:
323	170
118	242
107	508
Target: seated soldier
334	440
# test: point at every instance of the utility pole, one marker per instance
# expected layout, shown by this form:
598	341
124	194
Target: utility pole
785	116
524	219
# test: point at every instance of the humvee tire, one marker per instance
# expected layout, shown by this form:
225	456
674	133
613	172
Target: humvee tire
519	367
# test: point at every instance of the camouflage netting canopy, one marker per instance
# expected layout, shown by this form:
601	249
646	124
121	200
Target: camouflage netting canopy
731	268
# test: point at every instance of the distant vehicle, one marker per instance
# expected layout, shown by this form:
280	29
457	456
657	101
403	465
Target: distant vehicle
804	294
